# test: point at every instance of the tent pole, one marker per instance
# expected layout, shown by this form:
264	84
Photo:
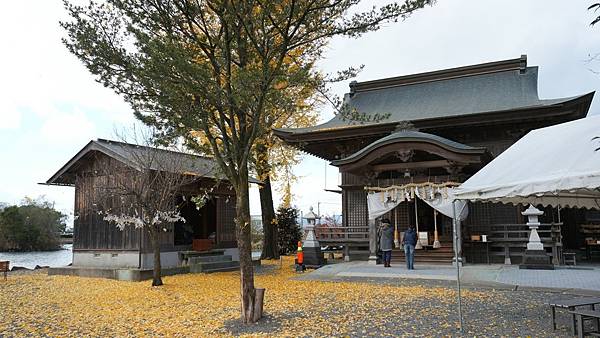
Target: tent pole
454	223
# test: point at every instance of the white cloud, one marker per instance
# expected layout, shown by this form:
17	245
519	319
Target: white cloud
67	127
10	116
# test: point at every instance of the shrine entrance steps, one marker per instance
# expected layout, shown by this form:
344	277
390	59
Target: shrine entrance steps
212	261
427	255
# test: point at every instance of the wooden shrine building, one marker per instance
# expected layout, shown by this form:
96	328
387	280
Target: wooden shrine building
438	127
99	244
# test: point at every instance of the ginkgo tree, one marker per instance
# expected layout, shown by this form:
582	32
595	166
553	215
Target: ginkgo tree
273	159
216	66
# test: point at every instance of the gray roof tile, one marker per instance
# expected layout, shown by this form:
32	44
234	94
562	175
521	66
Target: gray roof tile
453	93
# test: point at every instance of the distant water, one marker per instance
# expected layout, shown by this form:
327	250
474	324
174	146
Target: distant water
29	260
56	258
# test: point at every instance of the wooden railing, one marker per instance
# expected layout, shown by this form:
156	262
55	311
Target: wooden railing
511	239
341	235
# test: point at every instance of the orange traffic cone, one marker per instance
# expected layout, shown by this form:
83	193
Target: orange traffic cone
299	258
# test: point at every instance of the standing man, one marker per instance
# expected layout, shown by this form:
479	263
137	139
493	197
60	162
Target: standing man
386	241
409	241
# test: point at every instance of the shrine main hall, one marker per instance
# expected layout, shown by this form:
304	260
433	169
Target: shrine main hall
419	136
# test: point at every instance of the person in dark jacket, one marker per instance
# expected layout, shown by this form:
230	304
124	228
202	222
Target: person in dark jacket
409	241
386	241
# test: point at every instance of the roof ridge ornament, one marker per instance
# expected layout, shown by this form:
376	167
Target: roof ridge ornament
523	64
405	126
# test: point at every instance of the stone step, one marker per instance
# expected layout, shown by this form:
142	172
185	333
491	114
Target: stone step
441	255
207	259
440	264
425	257
191	253
424	260
213	266
226	269
427	252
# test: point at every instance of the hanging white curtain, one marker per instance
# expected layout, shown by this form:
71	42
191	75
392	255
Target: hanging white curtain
379	204
444	205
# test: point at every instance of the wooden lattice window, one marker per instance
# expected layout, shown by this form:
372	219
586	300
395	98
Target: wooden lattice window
226	219
356	208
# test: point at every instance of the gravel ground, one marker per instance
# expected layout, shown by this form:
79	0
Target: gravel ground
507	313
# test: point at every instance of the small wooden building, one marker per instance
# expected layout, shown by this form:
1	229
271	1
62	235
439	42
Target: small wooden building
97	243
440	126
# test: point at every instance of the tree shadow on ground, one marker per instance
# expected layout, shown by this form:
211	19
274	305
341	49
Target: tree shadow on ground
268	324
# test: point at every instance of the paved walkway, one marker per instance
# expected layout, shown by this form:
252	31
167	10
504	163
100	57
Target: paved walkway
584	279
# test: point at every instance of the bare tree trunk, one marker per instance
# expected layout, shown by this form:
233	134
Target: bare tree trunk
270	248
242	228
156	272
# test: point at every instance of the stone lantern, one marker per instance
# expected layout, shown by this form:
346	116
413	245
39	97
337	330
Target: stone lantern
313	257
535	256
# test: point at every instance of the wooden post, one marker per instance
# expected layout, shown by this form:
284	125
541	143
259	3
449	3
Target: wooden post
419	245
372	243
436	240
396	241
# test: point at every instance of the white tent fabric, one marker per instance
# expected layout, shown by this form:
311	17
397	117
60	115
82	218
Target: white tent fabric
557	165
378	204
444	206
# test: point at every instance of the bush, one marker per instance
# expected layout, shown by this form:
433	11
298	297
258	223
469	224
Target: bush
34	225
288	230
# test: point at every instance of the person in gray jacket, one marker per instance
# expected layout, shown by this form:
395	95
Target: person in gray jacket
386	241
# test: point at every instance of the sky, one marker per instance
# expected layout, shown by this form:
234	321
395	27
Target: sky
50	105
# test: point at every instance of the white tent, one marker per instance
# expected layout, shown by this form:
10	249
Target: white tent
558	165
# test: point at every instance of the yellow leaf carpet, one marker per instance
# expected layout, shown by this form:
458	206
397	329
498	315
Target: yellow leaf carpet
205	305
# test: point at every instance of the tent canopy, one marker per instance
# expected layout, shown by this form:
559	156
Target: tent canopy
557	165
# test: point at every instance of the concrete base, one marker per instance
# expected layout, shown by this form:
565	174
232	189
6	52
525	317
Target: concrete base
313	257
233	252
460	262
123	259
536	259
132	275
107	259
373	260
